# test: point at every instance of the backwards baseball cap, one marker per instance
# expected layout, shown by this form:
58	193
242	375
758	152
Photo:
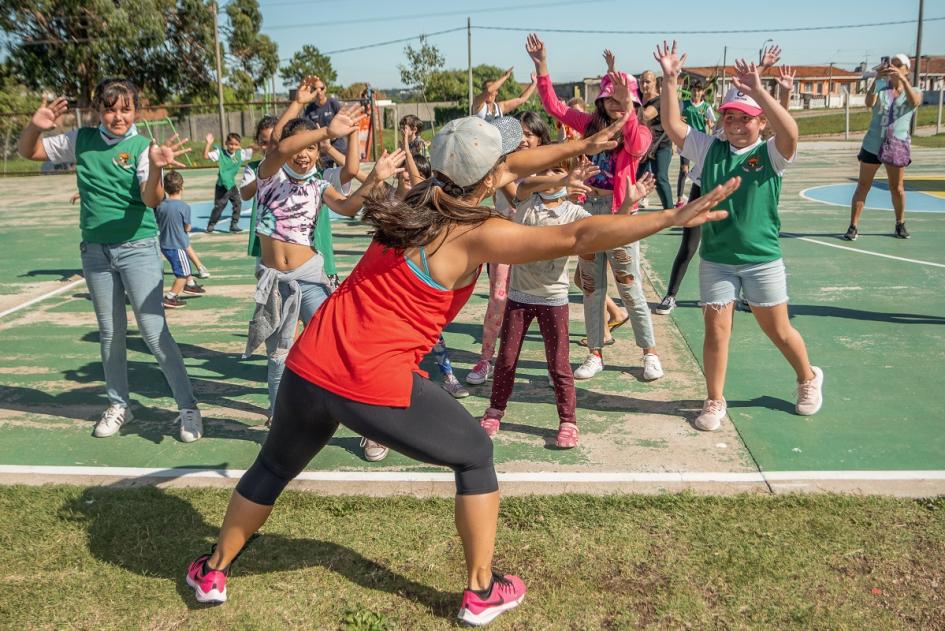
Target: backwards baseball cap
466	149
904	60
607	87
737	100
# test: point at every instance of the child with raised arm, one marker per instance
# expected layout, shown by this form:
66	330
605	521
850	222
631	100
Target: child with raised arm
266	143
292	283
119	179
742	252
173	218
485	105
617	98
229	159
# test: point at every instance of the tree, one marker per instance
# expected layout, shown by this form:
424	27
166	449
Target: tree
451	85
68	46
306	62
255	56
422	63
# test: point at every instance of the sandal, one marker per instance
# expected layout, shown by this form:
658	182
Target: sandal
610	342
614	324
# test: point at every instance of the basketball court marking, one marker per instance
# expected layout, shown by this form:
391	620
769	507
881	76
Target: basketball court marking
794	235
878	198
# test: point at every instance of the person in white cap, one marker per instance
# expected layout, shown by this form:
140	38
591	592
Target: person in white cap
418	272
744	251
887	141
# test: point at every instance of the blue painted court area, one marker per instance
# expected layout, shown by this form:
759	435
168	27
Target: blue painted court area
922	196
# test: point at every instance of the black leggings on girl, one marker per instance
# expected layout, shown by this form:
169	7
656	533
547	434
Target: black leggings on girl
435	429
687	249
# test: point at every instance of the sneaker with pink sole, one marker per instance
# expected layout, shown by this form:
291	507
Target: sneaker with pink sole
567	436
209	585
506	592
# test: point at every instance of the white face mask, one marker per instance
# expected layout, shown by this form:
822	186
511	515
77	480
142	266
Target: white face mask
550	197
132	131
304	177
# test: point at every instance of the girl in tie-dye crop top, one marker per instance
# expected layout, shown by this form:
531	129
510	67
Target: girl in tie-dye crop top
288	207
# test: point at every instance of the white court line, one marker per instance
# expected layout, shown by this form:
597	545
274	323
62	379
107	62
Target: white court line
794	235
549	477
804	195
50	294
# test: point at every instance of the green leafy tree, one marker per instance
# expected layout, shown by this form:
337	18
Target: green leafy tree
422	63
68	46
451	85
255	57
306	62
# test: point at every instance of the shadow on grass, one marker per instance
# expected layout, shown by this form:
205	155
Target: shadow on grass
62	273
141	530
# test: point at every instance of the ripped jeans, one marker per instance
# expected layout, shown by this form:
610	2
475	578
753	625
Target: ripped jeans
624	262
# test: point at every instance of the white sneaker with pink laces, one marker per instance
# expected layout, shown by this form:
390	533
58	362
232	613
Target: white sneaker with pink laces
810	394
713	411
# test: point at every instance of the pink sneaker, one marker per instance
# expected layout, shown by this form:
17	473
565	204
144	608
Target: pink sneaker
209	587
567	436
490	424
506	592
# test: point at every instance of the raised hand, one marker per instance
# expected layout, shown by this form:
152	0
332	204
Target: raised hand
669	59
637	191
508	73
165	155
603	140
621	88
534	78
578	175
699	211
785	78
47	115
610	59
536	49
209	139
389	164
747	79
770	57
305	93
346	121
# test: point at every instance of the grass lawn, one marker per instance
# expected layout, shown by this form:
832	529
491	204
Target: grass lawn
859	121
938	140
114	559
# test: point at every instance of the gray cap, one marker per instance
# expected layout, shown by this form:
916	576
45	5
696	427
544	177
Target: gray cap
466	149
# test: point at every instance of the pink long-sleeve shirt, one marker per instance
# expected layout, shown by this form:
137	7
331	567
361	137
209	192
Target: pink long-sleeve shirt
636	137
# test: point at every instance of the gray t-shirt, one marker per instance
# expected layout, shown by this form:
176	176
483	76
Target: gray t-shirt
172	215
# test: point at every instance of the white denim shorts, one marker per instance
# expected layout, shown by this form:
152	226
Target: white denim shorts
761	284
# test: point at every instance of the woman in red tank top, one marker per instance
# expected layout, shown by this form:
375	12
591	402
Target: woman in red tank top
416	275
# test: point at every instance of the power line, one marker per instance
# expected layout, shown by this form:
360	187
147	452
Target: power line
393	41
663	32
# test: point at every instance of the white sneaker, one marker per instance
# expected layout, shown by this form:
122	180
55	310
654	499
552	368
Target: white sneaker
480	372
373	452
810	394
112	419
713	411
652	368
202	272
452	385
644	202
191	425
591	366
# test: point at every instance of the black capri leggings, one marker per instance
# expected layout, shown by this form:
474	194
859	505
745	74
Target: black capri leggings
687	249
435	429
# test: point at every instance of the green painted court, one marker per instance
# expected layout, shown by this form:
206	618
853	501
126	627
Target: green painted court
872	313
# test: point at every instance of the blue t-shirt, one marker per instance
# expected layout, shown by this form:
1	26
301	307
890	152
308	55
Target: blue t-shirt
172	215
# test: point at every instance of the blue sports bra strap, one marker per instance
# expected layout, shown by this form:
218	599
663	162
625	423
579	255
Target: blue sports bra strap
423	259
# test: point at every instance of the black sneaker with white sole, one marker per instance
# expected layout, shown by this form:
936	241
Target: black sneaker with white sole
666	306
901	232
851	233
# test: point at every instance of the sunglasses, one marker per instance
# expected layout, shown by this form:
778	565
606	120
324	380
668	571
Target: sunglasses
319	88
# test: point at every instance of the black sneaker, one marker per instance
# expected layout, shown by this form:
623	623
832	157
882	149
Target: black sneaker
194	289
901	231
173	302
235	228
851	233
742	305
666	306
210	228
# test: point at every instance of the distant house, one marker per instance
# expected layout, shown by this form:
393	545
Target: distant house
814	86
931	76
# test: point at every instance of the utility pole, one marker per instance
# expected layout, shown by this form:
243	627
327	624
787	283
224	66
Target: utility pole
724	61
216	50
830	84
918	59
469	61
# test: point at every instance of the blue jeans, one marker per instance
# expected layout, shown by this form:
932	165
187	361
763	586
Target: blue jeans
313	295
135	269
624	261
658	165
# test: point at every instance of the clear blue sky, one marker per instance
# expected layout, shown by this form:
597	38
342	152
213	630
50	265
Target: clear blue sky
337	25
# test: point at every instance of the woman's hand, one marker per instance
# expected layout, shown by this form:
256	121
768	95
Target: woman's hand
699	211
669	60
536	49
305	93
165	155
347	120
603	140
46	116
389	165
622	90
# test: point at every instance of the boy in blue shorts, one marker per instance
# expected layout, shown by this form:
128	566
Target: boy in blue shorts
173	219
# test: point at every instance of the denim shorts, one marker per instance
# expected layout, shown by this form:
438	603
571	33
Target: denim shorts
761	284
